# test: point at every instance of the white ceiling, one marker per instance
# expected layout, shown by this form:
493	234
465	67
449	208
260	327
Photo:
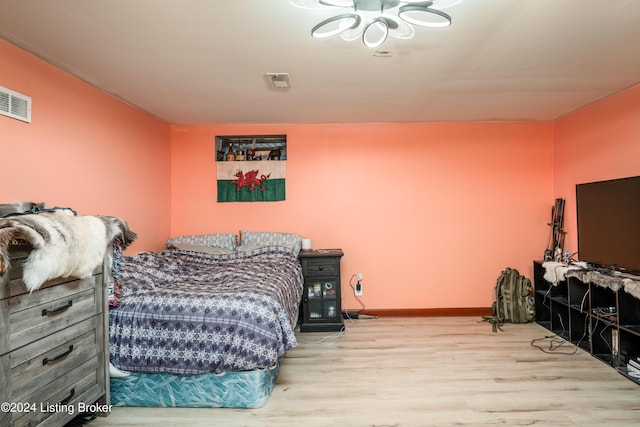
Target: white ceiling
204	61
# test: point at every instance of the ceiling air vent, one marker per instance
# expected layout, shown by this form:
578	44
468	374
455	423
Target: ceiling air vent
15	105
279	80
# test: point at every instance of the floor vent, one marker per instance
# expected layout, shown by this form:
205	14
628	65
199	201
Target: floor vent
15	105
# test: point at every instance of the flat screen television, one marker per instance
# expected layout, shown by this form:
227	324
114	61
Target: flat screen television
608	214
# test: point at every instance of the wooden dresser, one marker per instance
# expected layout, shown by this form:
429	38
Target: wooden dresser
53	348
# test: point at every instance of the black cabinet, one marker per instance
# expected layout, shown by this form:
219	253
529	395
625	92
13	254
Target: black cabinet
321	308
593	311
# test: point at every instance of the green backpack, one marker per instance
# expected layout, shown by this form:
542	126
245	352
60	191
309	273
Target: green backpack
514	300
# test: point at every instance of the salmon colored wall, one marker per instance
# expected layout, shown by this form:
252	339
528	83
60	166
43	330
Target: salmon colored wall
596	143
430	214
84	149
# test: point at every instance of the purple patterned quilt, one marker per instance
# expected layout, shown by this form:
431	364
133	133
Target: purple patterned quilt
186	313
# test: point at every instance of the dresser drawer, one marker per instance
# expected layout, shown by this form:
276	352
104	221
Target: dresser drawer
29	317
57	402
320	267
45	360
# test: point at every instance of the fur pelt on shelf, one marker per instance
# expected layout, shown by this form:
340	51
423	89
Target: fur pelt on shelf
64	245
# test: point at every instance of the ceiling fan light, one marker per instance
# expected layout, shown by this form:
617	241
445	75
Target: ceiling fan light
373	21
335	25
338	3
354	33
375	33
424	16
400	29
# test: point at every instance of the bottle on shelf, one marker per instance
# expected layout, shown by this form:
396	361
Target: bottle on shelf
230	154
240	153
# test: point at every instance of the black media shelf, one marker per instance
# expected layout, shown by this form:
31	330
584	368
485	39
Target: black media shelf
599	316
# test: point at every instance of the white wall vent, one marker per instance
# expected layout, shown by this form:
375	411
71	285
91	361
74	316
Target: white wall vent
15	105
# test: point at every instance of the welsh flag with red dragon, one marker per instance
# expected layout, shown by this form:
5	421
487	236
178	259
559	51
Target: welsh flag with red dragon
251	181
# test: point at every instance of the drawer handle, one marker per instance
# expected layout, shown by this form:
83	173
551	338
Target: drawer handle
60	309
68	398
321	267
58	357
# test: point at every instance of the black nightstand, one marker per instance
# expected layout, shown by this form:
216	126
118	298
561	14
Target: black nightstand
321	302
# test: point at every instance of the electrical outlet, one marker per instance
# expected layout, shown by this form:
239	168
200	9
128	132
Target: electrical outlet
358	289
359	276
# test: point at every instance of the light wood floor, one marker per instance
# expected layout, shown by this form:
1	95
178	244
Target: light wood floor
442	371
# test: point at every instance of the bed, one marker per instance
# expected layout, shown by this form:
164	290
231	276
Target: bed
205	322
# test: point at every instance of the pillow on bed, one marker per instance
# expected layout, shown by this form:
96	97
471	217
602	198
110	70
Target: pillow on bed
200	248
248	247
267	238
222	240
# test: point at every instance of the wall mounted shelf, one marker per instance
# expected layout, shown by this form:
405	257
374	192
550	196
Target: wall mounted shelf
250	147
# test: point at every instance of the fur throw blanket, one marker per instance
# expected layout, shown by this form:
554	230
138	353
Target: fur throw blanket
63	245
19	207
